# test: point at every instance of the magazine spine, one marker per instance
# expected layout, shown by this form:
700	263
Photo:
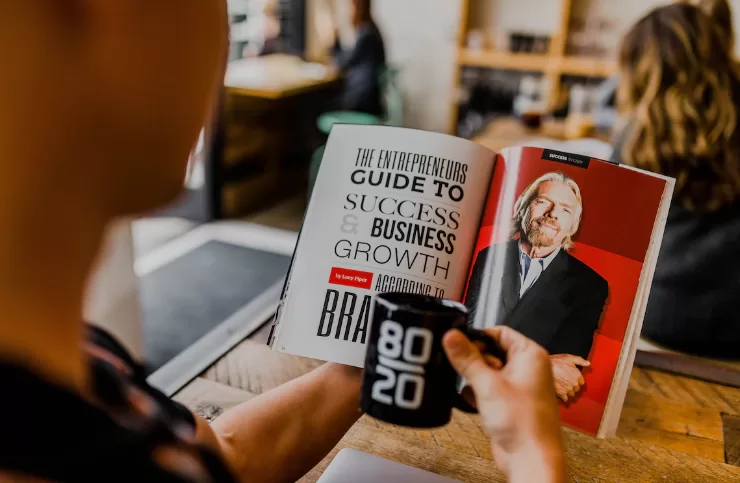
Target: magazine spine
275	329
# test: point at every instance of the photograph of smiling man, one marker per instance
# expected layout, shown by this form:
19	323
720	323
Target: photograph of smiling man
541	281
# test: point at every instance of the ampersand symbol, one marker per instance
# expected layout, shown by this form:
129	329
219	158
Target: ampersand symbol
349	224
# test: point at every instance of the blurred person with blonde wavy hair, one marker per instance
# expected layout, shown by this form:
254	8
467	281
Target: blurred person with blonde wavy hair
680	89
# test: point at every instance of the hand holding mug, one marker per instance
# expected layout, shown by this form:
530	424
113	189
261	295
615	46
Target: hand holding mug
408	379
516	402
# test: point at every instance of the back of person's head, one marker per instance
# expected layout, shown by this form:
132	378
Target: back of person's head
681	87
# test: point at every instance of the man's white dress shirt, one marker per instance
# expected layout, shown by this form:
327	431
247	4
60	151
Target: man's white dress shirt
530	269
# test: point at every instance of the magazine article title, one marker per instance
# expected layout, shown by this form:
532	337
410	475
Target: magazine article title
399	233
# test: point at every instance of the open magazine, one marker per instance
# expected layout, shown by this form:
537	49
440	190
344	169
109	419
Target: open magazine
559	246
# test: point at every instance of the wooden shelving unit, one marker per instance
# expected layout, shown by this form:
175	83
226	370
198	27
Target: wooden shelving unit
587	66
568	65
506	60
554	64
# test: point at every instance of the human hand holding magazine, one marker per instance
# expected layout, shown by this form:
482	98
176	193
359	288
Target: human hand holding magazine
558	246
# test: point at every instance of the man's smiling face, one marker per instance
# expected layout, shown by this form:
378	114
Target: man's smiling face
552	214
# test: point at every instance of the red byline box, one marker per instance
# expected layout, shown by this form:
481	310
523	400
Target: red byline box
351	278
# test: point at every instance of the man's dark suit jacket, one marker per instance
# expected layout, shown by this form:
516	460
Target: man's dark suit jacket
561	311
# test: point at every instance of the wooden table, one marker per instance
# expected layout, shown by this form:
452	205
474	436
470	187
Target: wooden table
509	131
267	131
276	76
671	428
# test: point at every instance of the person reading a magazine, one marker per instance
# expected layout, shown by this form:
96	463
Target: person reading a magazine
110	137
546	294
680	94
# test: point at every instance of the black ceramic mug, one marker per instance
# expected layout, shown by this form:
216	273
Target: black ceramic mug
408	379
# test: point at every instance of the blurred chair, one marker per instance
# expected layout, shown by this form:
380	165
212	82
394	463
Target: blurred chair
390	82
325	123
328	119
394	116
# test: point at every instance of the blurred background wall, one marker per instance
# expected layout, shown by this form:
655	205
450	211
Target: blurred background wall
420	38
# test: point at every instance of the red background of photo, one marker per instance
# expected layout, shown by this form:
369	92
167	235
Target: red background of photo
619	207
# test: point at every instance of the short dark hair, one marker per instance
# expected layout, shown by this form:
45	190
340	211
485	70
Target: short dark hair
363	11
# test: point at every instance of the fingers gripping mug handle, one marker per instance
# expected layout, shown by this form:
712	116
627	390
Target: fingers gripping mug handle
491	347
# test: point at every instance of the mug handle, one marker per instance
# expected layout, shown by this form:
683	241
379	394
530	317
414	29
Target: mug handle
491	347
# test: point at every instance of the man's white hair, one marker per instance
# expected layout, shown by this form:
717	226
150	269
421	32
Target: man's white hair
524	203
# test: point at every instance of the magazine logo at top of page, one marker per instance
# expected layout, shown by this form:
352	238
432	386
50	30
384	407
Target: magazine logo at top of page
567	158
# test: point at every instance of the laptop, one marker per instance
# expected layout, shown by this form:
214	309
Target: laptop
352	466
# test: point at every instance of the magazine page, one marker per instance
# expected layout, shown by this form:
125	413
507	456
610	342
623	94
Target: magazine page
392	209
560	256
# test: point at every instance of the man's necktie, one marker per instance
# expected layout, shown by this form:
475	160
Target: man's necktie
527	263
